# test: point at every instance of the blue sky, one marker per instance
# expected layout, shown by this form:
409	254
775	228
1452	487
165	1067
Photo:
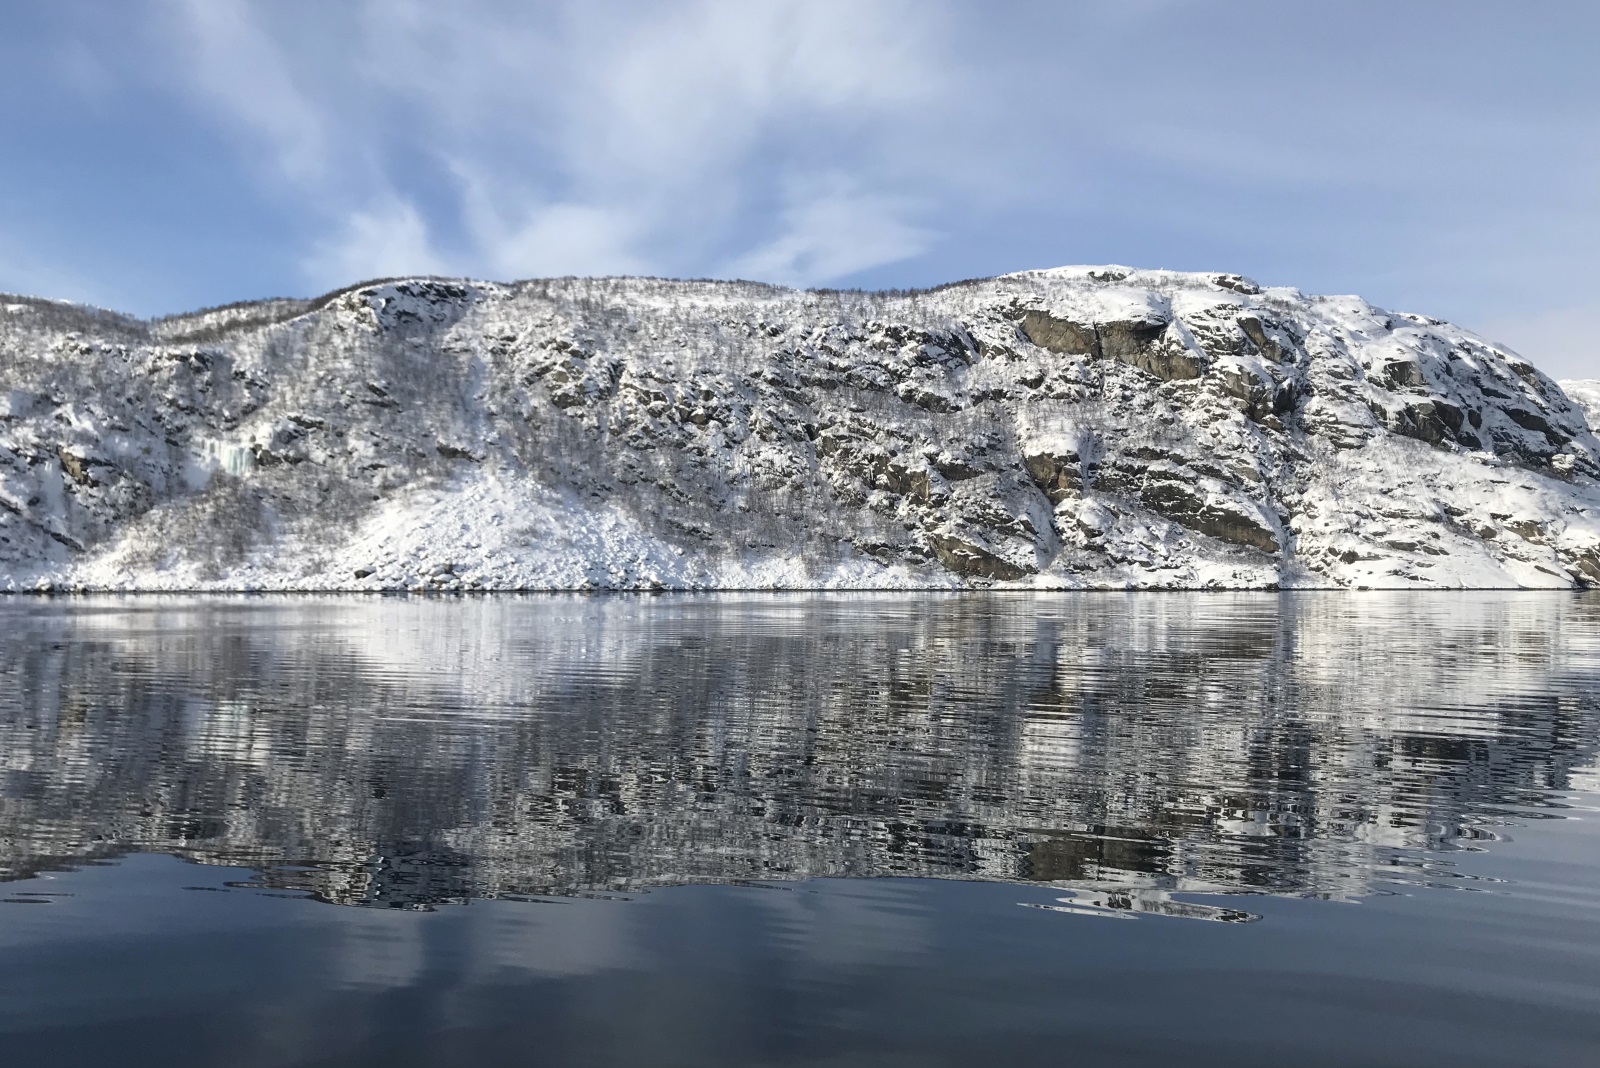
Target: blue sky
1440	157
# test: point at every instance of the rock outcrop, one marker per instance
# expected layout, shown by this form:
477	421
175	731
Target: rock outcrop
1078	427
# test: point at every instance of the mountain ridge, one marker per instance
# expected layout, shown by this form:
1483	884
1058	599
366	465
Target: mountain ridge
1083	427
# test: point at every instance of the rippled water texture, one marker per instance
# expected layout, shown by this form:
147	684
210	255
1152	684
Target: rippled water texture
801	830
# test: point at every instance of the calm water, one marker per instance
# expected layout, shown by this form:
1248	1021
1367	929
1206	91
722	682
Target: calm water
1054	830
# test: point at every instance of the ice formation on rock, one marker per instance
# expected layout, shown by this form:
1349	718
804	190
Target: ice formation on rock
1078	427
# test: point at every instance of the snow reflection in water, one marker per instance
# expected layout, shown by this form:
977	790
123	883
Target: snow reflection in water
417	752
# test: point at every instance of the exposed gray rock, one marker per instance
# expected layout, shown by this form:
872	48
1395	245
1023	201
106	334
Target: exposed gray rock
1145	343
1061	335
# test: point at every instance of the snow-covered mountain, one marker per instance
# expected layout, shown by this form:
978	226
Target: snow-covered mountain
1079	427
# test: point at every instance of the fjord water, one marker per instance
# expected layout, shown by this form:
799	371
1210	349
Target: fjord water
1326	829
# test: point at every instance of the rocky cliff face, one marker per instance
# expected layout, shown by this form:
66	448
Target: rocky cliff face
1081	427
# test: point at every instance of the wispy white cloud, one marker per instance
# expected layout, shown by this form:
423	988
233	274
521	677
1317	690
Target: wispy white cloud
244	78
832	234
556	239
386	238
587	138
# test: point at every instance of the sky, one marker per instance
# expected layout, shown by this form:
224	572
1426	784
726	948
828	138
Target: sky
1435	156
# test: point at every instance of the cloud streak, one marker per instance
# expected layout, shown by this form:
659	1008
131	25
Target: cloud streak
245	79
583	138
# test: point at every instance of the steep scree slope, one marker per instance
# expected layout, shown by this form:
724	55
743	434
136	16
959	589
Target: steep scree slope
1080	427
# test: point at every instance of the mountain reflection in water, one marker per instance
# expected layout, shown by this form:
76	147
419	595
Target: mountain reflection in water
415	752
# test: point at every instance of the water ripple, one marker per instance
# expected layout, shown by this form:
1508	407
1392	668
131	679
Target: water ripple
1126	750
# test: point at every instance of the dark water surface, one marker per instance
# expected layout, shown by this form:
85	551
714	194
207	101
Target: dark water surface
1327	829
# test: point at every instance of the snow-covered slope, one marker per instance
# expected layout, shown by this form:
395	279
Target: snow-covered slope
1585	393
1079	427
